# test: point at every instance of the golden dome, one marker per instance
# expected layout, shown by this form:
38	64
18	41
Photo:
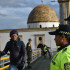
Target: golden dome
42	13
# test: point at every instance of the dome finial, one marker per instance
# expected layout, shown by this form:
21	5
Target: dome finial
42	1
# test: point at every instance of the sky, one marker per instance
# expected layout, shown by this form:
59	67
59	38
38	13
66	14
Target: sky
14	13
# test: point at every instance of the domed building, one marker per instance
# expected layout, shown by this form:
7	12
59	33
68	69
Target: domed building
42	16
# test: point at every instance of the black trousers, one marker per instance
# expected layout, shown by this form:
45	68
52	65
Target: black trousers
44	53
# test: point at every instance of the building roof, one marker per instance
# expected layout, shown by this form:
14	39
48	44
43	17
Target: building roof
42	13
28	29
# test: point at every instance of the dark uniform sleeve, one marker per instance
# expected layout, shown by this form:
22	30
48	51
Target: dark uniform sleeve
5	50
28	48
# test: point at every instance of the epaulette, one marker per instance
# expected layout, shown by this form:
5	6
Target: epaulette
65	49
29	45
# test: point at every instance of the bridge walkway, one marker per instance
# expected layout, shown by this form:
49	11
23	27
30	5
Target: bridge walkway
41	64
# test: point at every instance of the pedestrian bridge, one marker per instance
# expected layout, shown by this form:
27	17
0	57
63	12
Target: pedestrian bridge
38	61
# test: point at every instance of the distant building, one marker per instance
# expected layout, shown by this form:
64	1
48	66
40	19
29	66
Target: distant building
64	6
42	16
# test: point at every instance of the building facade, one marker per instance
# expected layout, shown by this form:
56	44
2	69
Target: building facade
64	6
34	34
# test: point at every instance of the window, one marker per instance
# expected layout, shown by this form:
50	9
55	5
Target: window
40	38
53	25
40	26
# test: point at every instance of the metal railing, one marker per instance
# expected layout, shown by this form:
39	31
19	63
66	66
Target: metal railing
36	53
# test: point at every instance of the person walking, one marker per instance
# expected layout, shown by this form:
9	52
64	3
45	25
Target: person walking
61	61
46	50
29	53
16	48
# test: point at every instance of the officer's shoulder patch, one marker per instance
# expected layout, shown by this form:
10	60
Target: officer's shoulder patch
67	66
65	49
29	45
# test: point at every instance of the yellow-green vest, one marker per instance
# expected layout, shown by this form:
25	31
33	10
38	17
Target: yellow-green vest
45	49
61	61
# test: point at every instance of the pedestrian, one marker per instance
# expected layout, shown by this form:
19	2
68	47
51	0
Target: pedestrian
46	50
68	19
29	53
61	61
16	48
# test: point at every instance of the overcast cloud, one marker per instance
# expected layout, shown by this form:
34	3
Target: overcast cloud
14	13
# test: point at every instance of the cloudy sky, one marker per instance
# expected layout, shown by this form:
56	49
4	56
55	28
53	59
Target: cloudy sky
14	13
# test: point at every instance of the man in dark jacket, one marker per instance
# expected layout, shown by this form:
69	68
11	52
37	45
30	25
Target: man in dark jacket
16	48
29	52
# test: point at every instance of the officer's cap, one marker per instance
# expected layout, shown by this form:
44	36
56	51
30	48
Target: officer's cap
67	19
29	39
13	32
62	29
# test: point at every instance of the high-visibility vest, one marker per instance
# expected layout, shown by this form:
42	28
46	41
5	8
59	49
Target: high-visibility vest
45	49
61	61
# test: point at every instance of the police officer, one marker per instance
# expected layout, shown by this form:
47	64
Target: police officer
29	52
61	61
16	48
68	19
